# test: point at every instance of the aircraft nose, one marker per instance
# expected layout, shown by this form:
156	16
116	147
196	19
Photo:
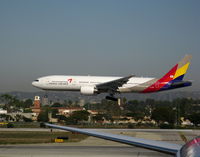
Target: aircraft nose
35	83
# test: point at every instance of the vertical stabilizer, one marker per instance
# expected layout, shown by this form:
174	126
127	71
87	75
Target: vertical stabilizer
178	71
182	68
175	75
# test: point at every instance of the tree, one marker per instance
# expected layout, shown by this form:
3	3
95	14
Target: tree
136	109
77	116
98	117
61	117
43	116
54	113
57	105
70	103
11	102
183	106
70	121
80	115
16	103
110	107
28	103
8	100
194	118
163	114
28	110
137	115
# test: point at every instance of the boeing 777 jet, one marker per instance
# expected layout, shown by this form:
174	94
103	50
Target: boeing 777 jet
91	85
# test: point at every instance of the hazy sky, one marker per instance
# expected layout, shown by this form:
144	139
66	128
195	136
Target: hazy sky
96	37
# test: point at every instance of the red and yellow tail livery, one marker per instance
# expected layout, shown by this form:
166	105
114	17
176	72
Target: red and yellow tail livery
173	79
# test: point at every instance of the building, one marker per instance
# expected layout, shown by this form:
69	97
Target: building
93	112
36	105
19	116
3	111
67	111
45	100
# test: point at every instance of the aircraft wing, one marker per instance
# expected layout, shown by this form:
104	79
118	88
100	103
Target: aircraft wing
164	147
113	85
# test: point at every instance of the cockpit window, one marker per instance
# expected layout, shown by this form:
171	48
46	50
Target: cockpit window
36	80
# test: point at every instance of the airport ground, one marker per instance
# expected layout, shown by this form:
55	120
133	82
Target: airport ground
97	147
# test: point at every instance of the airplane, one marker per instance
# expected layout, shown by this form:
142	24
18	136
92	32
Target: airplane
190	149
92	85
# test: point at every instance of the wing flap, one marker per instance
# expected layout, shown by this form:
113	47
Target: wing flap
164	147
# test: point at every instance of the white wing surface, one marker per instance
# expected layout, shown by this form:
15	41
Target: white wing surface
164	147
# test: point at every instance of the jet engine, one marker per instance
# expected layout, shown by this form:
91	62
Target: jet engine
88	90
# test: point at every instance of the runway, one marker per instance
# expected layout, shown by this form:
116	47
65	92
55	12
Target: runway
52	150
95	147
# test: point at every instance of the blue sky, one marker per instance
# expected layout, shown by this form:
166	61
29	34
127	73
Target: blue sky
96	37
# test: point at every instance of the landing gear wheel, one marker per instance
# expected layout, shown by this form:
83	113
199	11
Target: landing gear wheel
111	98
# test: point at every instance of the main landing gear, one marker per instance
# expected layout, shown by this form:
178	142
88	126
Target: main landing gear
112	98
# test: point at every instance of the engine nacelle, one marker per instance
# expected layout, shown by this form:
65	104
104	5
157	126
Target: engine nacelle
87	90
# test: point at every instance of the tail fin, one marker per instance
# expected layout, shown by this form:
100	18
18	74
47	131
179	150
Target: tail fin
173	77
182	68
178	71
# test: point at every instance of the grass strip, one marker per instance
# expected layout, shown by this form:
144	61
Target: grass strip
31	137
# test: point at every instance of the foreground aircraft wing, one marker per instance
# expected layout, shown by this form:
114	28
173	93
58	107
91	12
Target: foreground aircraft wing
113	85
149	144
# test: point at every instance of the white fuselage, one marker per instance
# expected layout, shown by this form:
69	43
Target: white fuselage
74	83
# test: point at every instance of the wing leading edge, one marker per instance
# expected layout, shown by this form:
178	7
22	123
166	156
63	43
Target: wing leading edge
164	147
